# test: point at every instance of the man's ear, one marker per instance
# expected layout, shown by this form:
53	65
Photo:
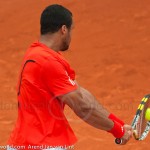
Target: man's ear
63	29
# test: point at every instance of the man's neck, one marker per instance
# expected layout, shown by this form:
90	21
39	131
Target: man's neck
50	41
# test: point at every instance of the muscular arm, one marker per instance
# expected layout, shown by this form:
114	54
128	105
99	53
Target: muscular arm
85	105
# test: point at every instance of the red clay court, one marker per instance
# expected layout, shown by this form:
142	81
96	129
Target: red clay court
110	52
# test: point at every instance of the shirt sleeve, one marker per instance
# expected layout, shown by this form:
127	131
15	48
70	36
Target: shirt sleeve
57	79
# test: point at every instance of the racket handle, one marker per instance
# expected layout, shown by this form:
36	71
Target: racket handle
118	141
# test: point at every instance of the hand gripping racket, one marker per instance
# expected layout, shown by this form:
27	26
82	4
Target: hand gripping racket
140	125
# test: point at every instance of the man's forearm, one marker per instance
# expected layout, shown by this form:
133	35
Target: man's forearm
85	105
93	112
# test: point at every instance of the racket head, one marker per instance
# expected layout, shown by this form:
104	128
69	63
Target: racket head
140	125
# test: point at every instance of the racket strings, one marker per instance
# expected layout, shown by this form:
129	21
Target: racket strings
144	122
141	126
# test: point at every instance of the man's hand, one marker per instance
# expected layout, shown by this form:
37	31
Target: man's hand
128	134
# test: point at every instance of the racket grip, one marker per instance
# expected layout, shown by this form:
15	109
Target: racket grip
118	141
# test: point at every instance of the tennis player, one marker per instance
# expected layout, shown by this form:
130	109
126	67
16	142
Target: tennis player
47	83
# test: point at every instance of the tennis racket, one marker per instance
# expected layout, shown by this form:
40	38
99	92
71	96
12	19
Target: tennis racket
140	125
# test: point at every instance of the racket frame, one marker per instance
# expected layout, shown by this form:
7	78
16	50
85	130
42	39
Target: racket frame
136	119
